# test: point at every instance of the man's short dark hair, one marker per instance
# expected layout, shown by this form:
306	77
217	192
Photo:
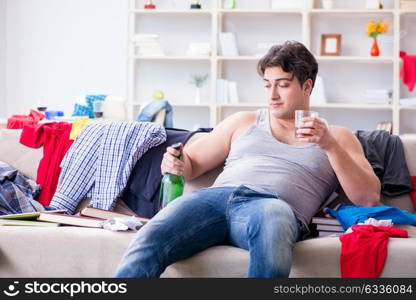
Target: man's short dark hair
293	57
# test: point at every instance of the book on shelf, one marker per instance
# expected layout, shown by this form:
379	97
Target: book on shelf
387	126
71	220
107	214
325	227
29	215
232	92
16	222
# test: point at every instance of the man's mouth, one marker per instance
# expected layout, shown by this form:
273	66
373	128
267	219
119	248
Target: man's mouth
276	105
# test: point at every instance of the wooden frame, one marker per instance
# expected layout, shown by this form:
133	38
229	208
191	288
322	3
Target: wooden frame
330	45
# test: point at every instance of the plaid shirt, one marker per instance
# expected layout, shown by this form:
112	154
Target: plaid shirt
17	192
99	163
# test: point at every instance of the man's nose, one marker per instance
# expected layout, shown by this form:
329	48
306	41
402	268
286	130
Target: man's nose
274	93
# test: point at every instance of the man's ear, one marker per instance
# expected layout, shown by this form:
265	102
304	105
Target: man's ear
307	87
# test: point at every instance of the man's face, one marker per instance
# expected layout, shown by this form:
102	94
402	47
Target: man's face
284	93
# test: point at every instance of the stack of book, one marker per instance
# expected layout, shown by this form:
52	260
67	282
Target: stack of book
378	96
148	45
408	101
327	226
227	92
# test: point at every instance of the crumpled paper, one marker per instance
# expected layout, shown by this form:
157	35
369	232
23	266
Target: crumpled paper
374	222
123	224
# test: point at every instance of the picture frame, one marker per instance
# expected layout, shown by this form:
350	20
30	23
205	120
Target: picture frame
331	44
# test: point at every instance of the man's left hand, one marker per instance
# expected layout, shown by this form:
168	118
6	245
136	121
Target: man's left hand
316	130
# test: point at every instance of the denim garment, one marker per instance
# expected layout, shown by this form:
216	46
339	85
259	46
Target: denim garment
260	223
149	112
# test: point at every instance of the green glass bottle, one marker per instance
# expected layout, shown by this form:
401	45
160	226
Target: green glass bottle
172	185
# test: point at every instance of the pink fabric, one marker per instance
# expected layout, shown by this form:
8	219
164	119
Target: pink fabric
18	121
408	70
413	192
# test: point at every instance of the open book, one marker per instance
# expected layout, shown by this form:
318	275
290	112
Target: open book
107	215
12	222
70	220
29	215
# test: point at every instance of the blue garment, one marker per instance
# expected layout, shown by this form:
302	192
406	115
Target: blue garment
260	223
99	162
150	111
349	215
87	110
17	192
142	190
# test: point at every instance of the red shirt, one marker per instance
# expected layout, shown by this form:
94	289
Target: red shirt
54	137
364	251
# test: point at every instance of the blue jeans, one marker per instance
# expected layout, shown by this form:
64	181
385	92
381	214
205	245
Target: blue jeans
260	223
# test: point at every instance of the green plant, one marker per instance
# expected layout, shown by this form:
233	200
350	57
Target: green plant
199	80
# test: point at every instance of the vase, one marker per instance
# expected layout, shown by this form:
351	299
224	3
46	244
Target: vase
198	96
375	50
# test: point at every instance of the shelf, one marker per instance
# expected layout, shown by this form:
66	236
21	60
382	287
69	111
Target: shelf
405	12
181	105
243	105
327	105
407	107
352	11
354	106
191	105
352	73
363	59
260	11
250	58
167	57
171	12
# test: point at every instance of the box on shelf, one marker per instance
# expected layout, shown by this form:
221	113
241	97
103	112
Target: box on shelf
228	44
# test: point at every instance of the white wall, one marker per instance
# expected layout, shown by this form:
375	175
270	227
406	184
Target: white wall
2	58
60	49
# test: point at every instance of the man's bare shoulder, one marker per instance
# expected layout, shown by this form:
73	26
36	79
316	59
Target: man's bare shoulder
340	132
243	117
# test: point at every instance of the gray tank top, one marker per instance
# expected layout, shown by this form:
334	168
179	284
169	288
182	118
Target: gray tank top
300	175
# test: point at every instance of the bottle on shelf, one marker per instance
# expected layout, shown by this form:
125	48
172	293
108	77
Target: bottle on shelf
149	5
172	185
195	5
229	4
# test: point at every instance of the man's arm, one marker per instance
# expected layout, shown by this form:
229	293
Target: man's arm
347	158
209	151
353	170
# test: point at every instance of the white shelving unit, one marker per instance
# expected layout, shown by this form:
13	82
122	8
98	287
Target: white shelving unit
345	77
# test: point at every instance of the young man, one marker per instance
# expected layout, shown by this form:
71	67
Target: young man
272	183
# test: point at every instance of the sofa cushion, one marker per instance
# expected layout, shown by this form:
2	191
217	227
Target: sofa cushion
64	251
23	158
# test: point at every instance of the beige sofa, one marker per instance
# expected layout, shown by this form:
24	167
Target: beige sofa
85	252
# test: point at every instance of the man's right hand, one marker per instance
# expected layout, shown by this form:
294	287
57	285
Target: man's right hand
171	164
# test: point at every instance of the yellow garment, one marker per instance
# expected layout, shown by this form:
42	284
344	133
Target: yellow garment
78	125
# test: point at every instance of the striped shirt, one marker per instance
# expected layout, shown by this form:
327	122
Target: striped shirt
100	161
17	192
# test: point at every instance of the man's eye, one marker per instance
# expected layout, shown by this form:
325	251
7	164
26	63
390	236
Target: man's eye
283	85
267	86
